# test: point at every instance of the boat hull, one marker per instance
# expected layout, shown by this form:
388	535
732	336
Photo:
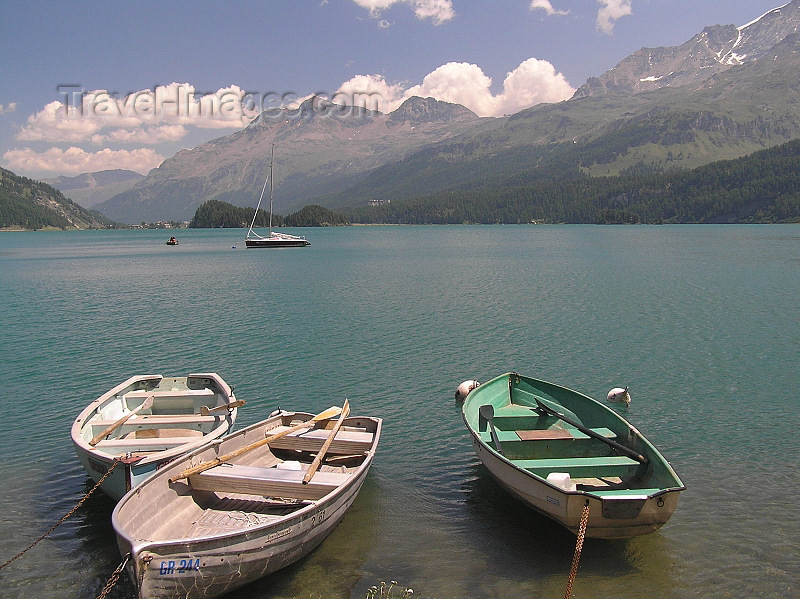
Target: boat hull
276	243
206	563
132	460
580	452
567	508
214	567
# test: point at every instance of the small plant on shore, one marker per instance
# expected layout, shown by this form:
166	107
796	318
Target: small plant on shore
385	591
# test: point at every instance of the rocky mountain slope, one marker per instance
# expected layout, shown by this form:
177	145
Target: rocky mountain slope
714	50
318	146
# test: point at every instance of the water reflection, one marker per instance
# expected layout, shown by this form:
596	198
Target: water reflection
534	554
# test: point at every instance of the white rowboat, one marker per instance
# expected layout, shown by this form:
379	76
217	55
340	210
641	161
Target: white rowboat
207	533
148	421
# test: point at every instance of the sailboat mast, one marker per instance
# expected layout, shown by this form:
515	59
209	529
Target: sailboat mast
261	197
271	159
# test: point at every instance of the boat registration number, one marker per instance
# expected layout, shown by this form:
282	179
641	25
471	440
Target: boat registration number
179	566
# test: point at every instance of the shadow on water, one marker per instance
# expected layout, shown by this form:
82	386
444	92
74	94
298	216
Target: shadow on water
534	551
87	536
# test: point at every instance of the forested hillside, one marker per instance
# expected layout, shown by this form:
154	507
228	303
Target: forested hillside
32	205
217	214
761	188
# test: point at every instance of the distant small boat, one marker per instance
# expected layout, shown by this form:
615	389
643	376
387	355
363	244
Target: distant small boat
274	239
557	450
172	241
244	506
147	421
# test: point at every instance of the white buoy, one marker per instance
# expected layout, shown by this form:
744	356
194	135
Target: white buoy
619	395
464	389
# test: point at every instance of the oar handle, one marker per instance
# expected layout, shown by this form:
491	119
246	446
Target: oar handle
321	453
329	413
587	431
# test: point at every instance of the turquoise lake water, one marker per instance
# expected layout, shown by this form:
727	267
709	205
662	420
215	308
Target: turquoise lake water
701	322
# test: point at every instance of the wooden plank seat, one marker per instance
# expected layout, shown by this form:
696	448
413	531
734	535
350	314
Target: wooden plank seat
346	442
550	435
580	467
159	420
267	482
555	434
134	445
169	393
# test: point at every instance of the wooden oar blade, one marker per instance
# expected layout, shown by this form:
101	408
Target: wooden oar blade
206	411
331	412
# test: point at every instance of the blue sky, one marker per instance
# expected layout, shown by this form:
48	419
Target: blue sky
88	86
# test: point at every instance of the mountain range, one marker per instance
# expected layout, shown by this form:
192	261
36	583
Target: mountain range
89	189
726	93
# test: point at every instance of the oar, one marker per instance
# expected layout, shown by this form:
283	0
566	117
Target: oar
329	413
205	410
147	403
587	431
321	454
487	413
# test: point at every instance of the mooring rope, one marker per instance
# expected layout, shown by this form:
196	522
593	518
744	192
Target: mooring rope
578	547
114	577
60	522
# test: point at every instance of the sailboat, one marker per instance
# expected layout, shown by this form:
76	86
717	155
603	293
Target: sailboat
273	240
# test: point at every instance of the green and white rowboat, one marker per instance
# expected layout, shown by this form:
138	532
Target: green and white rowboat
557	450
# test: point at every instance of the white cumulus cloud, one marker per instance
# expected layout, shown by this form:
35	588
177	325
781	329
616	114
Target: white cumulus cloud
74	160
610	11
148	116
438	11
461	83
369	91
532	82
546	6
8	108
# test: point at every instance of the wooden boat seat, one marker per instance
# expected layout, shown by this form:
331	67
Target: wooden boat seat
135	445
581	467
554	434
551	436
267	482
169	393
346	442
158	421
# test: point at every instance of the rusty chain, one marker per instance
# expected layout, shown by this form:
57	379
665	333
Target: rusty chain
60	522
578	547
114	577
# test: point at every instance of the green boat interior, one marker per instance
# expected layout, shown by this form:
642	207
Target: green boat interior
596	458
